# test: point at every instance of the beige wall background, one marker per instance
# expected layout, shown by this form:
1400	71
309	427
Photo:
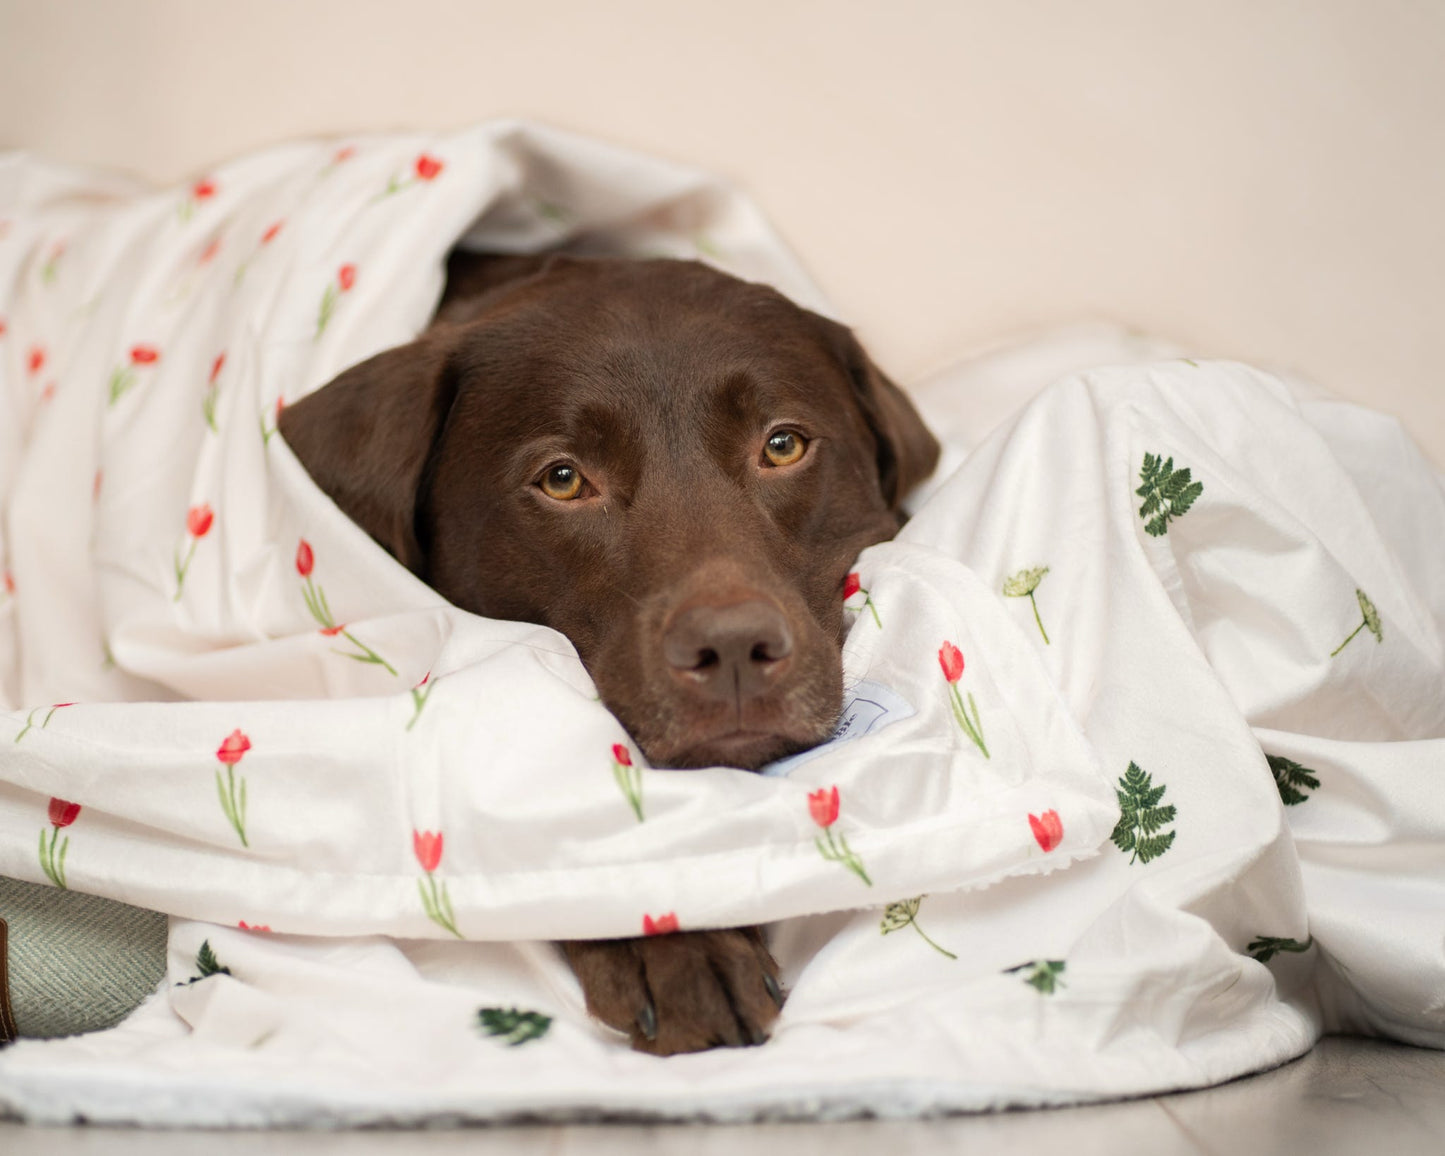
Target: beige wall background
1261	179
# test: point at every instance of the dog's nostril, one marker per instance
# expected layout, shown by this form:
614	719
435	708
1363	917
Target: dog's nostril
736	647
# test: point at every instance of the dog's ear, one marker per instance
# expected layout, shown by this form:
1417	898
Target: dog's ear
366	437
907	452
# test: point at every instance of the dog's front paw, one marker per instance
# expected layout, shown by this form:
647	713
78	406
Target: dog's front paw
683	992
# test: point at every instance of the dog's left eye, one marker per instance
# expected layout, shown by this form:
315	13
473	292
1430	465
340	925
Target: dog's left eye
562	482
784	447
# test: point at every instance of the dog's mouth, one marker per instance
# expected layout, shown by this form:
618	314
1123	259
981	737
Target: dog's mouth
748	750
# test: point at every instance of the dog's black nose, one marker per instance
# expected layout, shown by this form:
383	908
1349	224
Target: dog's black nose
728	651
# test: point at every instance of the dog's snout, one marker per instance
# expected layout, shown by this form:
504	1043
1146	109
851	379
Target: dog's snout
731	650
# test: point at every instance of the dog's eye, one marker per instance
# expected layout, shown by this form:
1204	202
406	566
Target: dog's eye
784	447
562	482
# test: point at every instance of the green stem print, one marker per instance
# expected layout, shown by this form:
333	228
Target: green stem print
823	805
419	694
428	847
1042	974
1141	817
950	659
629	778
52	859
30	718
1266	947
512	1026
1370	617
316	603
897	916
1292	779
851	586
1023	584
1168	493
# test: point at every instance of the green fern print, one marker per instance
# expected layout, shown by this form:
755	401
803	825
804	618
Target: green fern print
1141	817
512	1026
1168	493
1266	947
207	964
1041	974
1294	781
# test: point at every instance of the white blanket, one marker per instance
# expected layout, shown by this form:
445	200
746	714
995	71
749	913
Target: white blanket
367	775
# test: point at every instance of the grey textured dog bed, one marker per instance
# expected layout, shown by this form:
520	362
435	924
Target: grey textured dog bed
76	963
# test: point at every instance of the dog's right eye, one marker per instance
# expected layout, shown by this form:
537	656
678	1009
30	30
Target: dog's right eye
562	482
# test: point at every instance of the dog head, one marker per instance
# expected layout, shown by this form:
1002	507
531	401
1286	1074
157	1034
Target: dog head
672	467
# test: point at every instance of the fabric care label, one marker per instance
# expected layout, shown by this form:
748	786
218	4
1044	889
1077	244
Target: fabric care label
868	707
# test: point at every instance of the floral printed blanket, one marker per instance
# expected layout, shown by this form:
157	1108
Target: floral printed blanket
1131	791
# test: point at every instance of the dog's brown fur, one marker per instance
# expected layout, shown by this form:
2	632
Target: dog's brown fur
697	572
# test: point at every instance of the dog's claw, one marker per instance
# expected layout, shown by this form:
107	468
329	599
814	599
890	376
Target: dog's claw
774	991
647	1021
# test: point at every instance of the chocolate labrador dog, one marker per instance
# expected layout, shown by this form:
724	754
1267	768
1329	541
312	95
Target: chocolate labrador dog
675	469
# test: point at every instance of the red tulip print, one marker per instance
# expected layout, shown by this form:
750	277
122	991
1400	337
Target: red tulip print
95	485
3	327
269	431
628	777
823	807
427	846
316	603
662	925
7	580
244	926
126	376
424	169
950	659
852	585
35	360
1048	829
200	192
52	852
198	524
342	155
345	281
30	718
232	789
271	232
208	254
62	814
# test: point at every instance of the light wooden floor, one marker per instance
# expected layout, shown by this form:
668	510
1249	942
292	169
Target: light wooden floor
1347	1096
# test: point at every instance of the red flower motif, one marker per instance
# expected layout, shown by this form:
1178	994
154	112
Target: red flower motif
851	585
36	361
144	355
203	190
333	631
1048	829
244	926
2	327
344	154
305	559
662	925
8	580
216	367
235	745
280	405
346	277
199	519
270	234
95	485
428	848
208	254
620	754
427	167
62	814
823	806
951	659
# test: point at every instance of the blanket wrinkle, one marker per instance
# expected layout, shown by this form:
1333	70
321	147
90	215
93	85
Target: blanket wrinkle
1137	810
